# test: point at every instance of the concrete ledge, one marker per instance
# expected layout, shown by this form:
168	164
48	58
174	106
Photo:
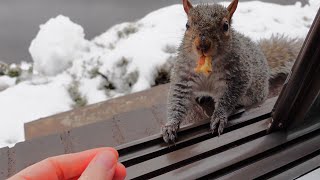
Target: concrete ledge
4	162
96	112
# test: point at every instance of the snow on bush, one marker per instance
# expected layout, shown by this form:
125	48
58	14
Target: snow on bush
144	48
70	71
56	45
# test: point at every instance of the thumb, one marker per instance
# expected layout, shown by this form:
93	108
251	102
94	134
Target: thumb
102	167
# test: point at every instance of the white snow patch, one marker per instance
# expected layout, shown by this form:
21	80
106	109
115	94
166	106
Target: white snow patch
260	20
88	88
25	66
56	45
144	48
26	102
6	82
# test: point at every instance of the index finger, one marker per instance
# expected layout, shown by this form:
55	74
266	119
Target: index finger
61	167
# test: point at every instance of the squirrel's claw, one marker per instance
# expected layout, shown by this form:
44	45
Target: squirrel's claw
221	120
169	132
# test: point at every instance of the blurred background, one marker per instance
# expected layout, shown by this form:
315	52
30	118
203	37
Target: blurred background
20	19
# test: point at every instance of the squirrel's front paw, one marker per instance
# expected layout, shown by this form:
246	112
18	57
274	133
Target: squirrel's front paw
219	120
169	132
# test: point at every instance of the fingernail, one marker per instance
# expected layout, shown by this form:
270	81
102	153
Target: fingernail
107	159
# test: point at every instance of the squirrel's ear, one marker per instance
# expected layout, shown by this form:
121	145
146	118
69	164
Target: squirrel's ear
232	8
187	6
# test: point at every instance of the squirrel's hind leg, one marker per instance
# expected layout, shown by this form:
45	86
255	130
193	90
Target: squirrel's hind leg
206	102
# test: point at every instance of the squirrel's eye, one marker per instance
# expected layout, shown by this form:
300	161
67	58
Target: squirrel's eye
225	26
187	26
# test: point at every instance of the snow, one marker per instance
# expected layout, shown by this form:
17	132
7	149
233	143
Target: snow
95	94
293	20
25	66
26	101
154	33
67	67
6	82
56	45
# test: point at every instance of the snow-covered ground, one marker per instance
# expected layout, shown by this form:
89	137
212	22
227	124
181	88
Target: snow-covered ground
67	68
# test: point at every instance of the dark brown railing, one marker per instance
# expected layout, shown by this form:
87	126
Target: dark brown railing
303	85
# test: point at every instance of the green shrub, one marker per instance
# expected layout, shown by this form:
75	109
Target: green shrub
126	31
14	72
78	99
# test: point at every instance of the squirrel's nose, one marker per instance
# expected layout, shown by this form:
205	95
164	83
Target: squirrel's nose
204	45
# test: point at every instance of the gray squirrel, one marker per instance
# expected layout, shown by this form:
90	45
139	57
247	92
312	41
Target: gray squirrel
241	69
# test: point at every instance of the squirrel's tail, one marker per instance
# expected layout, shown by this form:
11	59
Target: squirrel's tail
281	52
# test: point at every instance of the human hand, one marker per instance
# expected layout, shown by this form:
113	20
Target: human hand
97	164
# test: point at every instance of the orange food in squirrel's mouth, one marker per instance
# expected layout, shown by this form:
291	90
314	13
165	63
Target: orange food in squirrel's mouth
204	65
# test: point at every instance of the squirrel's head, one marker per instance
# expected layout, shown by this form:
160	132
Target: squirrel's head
208	27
